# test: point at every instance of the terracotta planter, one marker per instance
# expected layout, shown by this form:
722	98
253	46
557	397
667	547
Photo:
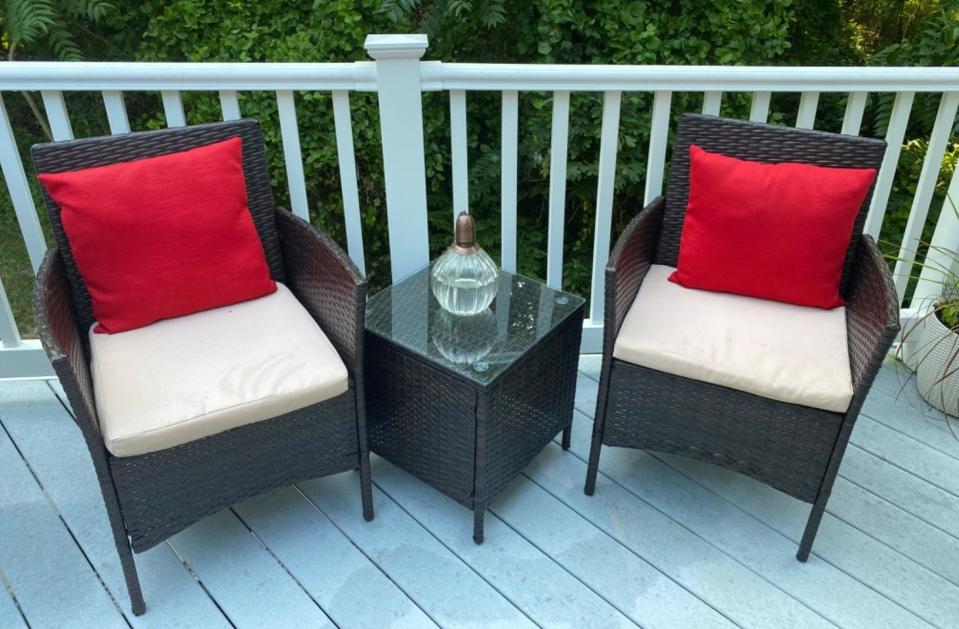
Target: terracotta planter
937	355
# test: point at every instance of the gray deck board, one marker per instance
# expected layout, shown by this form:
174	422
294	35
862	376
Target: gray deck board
444	586
696	565
523	573
893	525
910	492
664	542
9	614
908	454
824	588
251	585
862	557
899	407
327	564
44	568
51	442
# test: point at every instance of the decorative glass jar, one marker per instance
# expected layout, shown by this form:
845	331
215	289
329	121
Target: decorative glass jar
464	279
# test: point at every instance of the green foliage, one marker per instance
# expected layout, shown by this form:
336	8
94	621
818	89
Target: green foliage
949	314
229	30
49	28
933	41
935	44
741	32
544	31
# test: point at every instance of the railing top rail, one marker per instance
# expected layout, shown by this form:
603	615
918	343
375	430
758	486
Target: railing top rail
435	76
495	76
127	76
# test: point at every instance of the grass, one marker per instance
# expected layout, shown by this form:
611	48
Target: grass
15	270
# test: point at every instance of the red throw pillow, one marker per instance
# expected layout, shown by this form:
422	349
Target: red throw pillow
163	236
773	231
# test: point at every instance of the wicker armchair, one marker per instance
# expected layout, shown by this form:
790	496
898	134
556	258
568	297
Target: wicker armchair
152	496
794	448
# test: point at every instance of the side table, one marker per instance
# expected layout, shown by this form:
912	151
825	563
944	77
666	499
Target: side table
465	403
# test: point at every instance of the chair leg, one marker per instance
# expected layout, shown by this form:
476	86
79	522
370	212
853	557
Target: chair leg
812	526
479	516
593	468
599	423
120	538
366	486
567	436
124	551
825	488
133	581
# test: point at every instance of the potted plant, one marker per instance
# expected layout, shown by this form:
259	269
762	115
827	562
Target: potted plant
936	356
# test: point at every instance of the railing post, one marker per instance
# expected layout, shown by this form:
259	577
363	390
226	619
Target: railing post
404	163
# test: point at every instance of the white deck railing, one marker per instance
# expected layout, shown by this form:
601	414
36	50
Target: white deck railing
399	78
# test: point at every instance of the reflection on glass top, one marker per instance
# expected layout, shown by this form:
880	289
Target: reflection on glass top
479	347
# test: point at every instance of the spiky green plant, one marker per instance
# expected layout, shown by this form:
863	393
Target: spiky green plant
944	264
48	29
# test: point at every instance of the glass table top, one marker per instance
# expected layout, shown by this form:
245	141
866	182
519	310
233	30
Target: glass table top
479	347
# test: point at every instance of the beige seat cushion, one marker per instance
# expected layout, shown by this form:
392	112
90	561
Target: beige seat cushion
181	379
788	353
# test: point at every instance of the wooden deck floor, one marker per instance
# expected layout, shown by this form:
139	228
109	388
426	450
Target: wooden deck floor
665	542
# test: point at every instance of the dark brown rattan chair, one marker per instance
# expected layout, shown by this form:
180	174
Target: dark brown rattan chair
796	449
151	497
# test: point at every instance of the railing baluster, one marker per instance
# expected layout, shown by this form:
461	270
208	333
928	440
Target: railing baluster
759	109
887	172
656	162
928	178
229	105
9	334
855	107
347	162
808	103
290	133
712	102
461	200
173	108
944	239
57	115
19	190
609	136
557	189
509	147
116	112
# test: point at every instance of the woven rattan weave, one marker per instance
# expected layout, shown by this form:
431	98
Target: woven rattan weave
469	427
796	449
153	496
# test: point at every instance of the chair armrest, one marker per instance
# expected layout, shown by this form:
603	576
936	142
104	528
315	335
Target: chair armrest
872	316
327	283
64	343
628	265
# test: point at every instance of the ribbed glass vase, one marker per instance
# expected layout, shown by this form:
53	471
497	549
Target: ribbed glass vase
464	279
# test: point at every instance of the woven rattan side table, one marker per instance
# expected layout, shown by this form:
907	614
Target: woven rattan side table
465	403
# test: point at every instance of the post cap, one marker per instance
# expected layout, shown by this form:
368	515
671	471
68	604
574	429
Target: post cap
409	46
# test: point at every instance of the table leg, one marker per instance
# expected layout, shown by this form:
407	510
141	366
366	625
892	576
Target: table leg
479	514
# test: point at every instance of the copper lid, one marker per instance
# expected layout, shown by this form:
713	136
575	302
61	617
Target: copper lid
465	235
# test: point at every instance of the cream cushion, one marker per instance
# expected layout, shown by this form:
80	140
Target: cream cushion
182	379
779	351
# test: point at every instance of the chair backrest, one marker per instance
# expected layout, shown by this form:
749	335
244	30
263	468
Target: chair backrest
59	157
763	143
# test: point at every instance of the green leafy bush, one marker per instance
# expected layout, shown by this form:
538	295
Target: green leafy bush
546	31
754	32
